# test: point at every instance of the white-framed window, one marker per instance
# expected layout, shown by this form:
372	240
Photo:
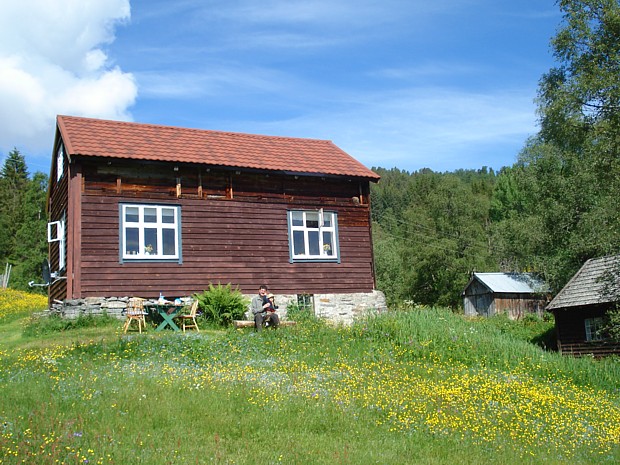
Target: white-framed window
60	161
313	235
594	329
150	232
56	232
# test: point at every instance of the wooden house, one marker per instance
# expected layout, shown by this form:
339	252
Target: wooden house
515	294
141	209
580	308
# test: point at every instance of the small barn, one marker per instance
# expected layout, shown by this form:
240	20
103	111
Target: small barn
581	307
515	294
142	210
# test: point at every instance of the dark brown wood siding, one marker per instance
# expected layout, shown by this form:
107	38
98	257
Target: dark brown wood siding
56	206
234	230
571	332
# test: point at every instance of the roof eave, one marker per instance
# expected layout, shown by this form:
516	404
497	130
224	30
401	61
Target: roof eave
236	168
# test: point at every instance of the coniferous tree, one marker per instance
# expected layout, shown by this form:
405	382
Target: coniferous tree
23	220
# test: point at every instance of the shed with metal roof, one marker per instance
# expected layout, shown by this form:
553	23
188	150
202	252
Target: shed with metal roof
515	294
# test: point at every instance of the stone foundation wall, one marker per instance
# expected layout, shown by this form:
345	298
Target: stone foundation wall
339	308
346	308
73	308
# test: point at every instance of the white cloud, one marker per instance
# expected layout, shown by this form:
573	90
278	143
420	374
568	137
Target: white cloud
53	61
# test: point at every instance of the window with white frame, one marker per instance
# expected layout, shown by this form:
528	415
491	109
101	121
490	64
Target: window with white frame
150	232
313	235
56	232
60	161
594	329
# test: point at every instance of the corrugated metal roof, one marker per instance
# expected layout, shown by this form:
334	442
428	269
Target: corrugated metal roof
596	282
516	283
117	139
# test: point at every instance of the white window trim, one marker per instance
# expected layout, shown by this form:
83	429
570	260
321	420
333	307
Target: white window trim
62	247
593	327
143	254
306	257
56	232
60	161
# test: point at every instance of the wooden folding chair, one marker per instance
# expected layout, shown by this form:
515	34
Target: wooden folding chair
135	312
189	320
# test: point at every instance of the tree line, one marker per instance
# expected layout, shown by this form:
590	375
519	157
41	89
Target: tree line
555	207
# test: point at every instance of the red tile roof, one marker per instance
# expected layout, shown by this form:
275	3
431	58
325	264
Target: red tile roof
116	139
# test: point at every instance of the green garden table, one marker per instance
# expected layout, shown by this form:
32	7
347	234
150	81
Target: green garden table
168	311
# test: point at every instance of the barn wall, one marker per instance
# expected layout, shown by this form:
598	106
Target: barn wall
478	300
516	306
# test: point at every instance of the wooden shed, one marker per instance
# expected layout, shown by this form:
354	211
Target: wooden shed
140	209
581	307
515	294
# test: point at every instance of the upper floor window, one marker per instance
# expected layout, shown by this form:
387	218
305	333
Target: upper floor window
150	232
60	161
313	235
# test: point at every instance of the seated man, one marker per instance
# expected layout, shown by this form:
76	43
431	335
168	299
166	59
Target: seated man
263	309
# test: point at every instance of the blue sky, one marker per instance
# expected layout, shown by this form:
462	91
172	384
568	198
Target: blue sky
442	84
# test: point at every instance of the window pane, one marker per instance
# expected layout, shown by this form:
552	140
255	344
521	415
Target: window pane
328	245
312	219
298	243
132	214
313	243
131	241
168	241
150	215
150	241
167	215
297	218
327	220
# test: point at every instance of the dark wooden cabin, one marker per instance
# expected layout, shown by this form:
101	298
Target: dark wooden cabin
139	209
581	307
514	294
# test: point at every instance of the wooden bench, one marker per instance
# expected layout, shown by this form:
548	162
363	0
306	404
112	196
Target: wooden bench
250	324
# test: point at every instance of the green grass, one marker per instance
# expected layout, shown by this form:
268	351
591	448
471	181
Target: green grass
417	386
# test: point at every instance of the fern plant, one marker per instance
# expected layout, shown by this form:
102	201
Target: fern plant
222	304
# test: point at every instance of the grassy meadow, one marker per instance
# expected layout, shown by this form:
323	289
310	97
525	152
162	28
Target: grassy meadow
415	386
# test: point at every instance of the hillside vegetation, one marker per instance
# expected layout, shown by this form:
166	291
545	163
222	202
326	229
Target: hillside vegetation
420	385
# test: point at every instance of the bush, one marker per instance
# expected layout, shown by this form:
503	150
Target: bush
296	312
613	324
222	304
